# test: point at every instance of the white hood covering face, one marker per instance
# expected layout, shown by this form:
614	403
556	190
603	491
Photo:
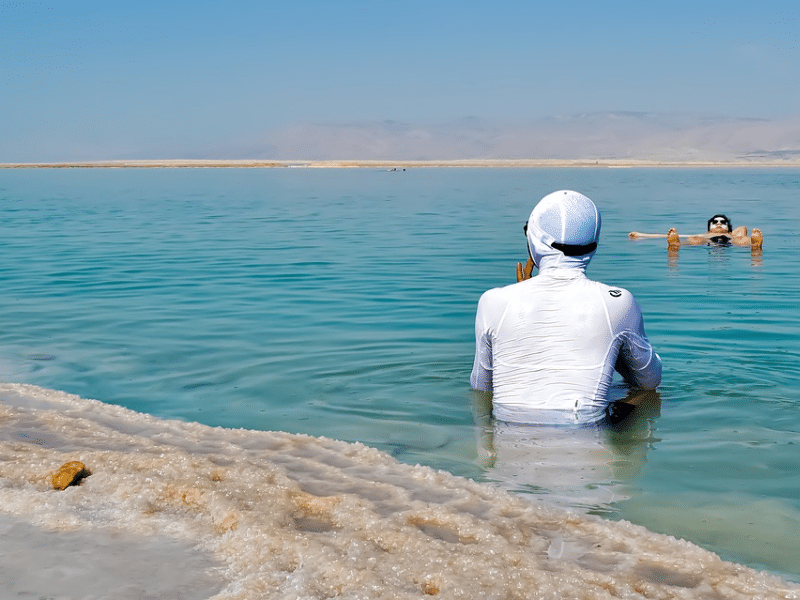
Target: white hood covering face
563	217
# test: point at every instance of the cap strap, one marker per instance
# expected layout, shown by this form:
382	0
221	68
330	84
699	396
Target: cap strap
574	249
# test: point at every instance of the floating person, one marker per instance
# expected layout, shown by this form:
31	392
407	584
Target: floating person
720	232
547	347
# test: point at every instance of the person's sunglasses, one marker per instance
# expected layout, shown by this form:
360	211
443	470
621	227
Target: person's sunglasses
719	221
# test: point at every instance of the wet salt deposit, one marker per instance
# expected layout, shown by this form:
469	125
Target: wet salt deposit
183	510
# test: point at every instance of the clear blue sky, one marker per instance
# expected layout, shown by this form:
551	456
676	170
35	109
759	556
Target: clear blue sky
93	80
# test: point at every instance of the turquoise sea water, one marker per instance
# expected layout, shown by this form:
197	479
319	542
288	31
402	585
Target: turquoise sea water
341	303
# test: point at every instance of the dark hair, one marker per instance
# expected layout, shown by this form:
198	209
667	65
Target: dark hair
727	220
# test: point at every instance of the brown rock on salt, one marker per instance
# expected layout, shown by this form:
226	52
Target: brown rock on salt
69	474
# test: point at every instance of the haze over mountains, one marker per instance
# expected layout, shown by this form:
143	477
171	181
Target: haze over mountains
599	135
604	136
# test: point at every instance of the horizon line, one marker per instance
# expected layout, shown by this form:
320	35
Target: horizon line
388	163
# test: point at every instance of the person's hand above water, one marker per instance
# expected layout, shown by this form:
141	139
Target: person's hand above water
525	272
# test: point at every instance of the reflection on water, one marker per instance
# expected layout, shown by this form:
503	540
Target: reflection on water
718	255
585	468
756	258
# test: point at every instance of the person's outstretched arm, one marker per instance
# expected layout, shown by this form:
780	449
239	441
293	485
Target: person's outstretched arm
636	235
696	238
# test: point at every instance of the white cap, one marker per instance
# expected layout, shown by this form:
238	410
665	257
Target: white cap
561	226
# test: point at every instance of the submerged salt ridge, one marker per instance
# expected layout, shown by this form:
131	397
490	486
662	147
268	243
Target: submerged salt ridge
174	509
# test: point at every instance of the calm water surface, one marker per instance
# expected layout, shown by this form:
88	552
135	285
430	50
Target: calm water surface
341	303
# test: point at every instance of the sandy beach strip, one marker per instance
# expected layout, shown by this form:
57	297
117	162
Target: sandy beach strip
407	164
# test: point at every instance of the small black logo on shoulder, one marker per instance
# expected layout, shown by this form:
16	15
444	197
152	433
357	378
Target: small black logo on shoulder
615	293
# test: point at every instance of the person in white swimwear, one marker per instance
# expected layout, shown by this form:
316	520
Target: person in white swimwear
547	346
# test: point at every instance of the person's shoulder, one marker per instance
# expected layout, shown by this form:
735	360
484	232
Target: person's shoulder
503	294
498	293
493	304
622	307
615	294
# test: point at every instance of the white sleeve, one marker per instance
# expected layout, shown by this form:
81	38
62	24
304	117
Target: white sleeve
482	368
637	362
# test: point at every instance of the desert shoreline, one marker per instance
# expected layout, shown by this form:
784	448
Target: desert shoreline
407	164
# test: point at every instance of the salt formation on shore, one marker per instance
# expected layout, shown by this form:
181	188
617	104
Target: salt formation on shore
248	514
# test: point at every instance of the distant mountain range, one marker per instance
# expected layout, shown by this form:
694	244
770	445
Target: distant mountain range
600	135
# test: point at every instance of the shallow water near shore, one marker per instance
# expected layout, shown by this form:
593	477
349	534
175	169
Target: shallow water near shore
339	303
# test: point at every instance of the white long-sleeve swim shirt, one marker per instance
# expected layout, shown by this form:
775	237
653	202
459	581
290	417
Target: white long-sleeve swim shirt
547	347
